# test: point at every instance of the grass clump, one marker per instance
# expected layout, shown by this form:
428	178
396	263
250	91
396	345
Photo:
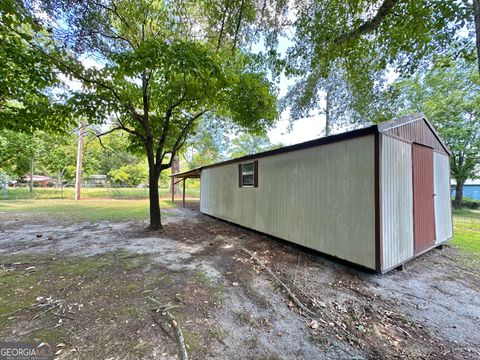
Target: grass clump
466	225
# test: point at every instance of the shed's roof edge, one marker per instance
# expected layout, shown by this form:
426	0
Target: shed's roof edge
304	145
195	172
373	129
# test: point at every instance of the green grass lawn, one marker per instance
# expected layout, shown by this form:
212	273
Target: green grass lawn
83	210
466	228
88	193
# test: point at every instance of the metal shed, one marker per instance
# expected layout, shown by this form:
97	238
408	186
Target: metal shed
376	197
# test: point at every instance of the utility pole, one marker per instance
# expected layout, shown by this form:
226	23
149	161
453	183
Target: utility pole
31	174
78	171
174	169
327	113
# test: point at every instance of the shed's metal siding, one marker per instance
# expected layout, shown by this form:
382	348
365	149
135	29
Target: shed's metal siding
443	203
396	202
321	197
419	132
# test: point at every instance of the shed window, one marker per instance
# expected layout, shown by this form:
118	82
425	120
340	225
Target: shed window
248	176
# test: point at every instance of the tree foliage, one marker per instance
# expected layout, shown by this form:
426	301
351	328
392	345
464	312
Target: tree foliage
27	78
393	32
208	143
350	46
55	154
247	144
131	175
449	94
16	152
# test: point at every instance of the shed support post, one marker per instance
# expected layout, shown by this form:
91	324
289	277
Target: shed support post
184	192
172	189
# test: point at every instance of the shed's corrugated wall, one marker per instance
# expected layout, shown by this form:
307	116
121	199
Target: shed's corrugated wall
419	132
321	197
396	202
443	203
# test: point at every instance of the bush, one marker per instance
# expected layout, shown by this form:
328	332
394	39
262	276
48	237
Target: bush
131	175
470	203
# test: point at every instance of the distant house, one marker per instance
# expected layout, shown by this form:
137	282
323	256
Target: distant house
471	189
376	197
97	181
39	180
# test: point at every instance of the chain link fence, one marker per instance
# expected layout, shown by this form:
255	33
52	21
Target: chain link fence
87	192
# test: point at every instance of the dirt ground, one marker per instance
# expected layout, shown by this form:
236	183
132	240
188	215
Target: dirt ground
85	288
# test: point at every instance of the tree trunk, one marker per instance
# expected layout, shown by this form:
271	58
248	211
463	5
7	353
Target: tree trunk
155	217
476	16
457	204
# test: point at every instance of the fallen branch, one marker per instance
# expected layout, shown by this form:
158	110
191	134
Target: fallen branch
291	295
161	327
182	348
310	314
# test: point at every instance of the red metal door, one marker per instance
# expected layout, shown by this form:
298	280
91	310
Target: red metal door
423	201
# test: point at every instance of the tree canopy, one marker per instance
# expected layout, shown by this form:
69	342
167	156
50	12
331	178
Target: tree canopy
449	94
358	42
27	78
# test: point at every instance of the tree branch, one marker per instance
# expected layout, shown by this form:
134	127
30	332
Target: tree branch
122	125
370	25
237	29
222	28
166	127
180	140
476	16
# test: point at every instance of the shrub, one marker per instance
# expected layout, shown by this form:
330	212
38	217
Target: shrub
470	203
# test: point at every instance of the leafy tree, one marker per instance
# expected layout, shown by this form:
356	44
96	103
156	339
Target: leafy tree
246	144
56	155
17	151
449	94
133	175
157	75
398	33
27	78
112	151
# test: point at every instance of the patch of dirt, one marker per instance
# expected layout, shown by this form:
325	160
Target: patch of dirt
227	305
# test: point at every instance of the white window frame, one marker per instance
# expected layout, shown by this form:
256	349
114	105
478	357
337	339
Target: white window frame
246	173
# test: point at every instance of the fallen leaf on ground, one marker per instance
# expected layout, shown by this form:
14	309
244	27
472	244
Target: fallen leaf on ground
314	324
